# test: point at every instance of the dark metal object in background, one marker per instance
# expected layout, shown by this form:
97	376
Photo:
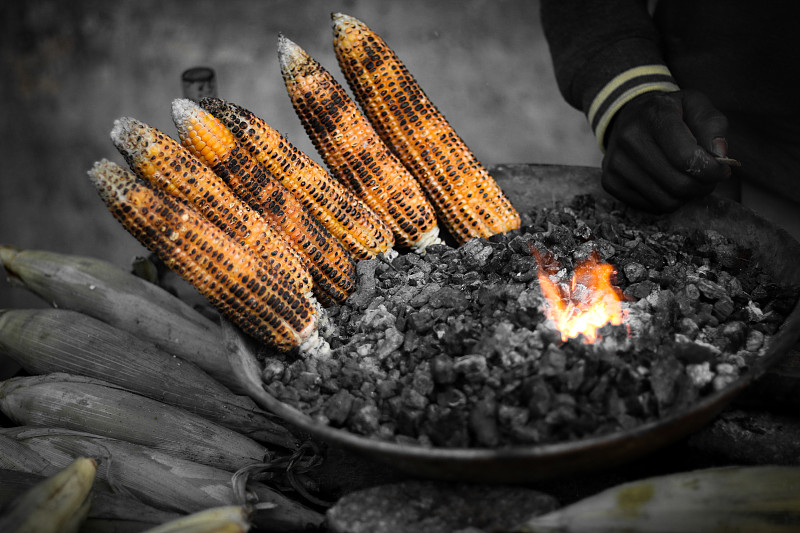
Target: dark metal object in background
199	82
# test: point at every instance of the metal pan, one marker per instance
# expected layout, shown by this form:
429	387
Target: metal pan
529	186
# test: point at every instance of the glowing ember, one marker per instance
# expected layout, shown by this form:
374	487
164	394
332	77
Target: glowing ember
589	302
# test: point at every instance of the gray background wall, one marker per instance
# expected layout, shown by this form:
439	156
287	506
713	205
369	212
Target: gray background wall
68	69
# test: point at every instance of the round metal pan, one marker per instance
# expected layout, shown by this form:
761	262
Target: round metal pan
529	186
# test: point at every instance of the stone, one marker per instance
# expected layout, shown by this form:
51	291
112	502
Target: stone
436	507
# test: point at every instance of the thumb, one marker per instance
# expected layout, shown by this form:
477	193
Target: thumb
708	125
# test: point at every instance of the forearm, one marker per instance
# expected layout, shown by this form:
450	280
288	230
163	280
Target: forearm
604	54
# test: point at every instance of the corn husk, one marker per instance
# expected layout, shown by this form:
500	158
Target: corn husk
45	341
56	504
232	518
101	290
163	481
107	507
764	499
18	458
84	404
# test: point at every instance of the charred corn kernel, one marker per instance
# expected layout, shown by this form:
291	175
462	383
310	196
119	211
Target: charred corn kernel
347	218
232	277
353	151
57	504
162	161
104	291
84	404
330	264
466	197
44	341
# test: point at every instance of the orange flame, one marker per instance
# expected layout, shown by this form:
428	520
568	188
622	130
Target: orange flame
588	303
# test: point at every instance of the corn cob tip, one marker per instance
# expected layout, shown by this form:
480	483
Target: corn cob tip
7	254
426	239
290	55
341	18
183	110
121	129
109	179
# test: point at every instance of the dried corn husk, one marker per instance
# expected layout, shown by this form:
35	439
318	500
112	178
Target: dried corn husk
231	518
764	499
164	481
84	404
45	341
108	508
101	290
18	458
57	504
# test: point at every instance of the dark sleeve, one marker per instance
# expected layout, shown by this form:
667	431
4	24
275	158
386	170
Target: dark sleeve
604	53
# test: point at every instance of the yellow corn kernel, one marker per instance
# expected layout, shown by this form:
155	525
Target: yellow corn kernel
466	197
164	163
353	151
350	220
331	266
233	278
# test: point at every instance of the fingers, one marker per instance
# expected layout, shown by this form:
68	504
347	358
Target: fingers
689	129
656	159
653	187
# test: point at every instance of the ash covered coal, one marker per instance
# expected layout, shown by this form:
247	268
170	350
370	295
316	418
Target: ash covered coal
453	349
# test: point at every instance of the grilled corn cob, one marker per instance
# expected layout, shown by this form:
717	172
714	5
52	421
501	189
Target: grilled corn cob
466	197
104	291
45	341
353	151
84	404
164	481
57	504
231	276
329	263
163	162
357	226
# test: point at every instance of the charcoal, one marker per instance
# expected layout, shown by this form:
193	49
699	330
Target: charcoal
635	272
483	422
365	420
754	341
443	369
553	361
538	396
664	374
637	291
390	343
337	407
450	298
472	368
475	253
453	348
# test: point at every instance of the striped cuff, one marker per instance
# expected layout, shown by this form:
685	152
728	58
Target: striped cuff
622	89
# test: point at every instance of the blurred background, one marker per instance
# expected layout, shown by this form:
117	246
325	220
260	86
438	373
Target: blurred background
68	69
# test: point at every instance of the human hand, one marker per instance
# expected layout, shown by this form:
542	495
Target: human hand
661	150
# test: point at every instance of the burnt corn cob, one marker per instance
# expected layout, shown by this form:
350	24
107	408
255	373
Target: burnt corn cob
164	163
357	226
232	277
353	151
331	266
466	197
